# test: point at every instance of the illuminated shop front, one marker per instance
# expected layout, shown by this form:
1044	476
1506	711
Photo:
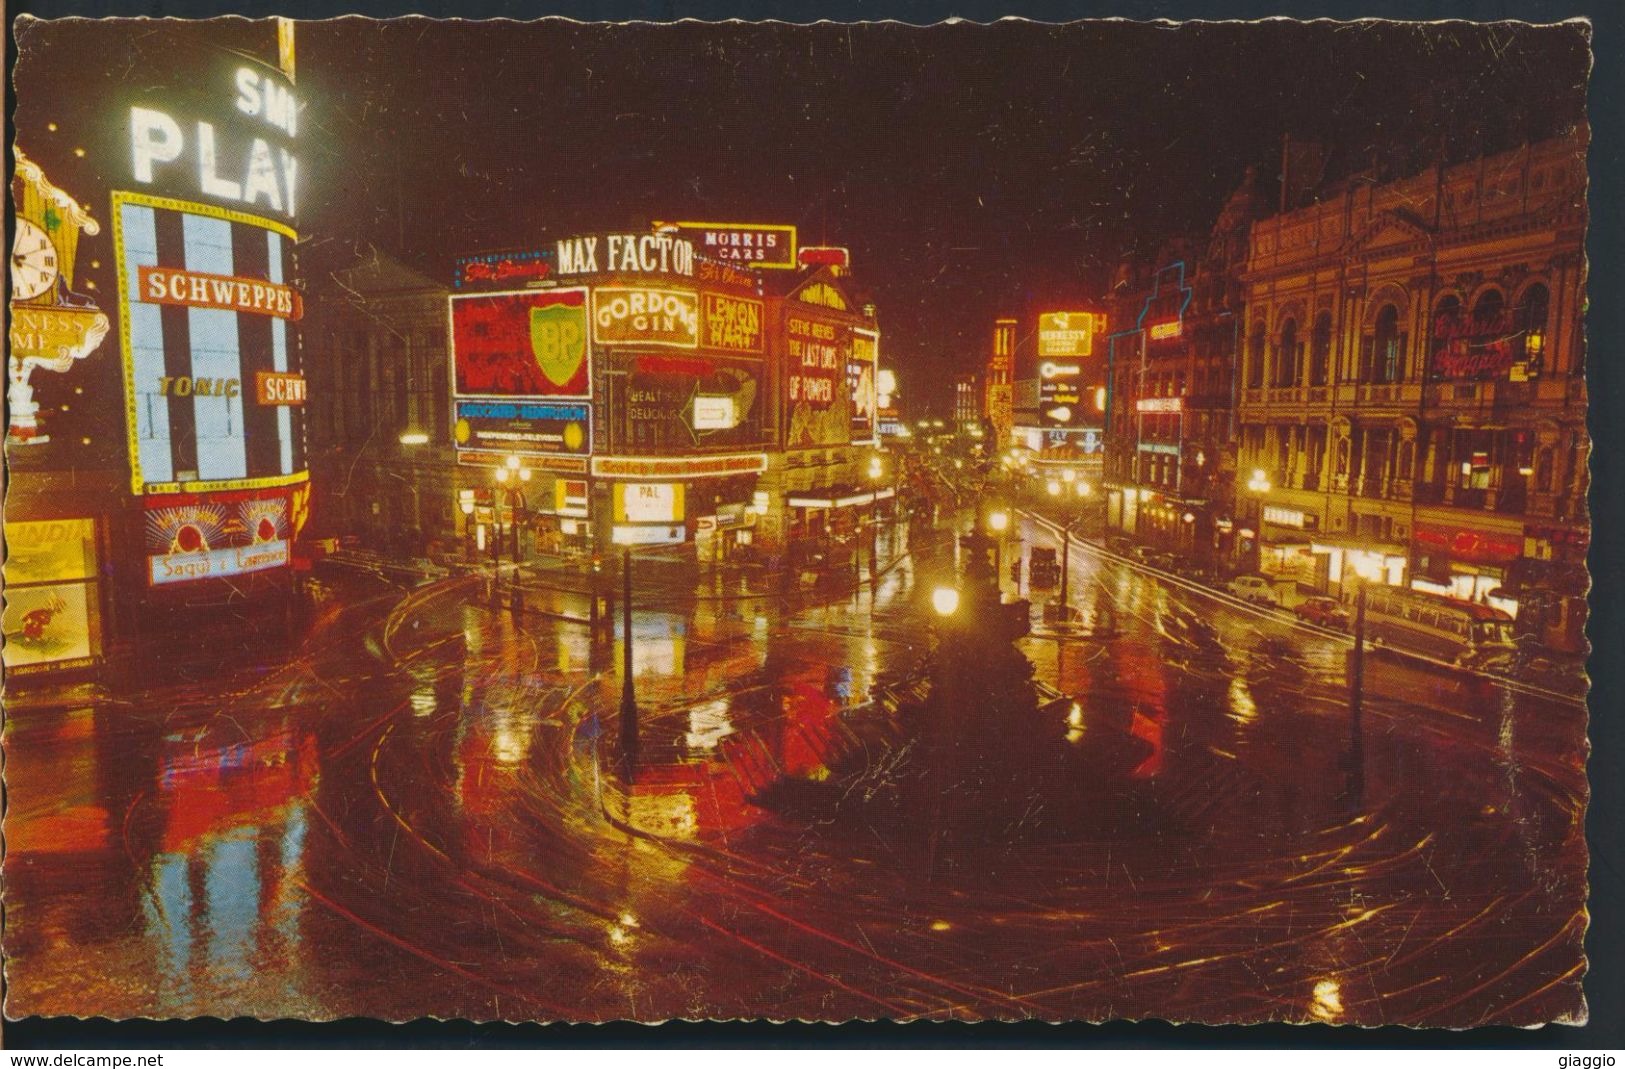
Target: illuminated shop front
654	391
55	598
623	376
1468	564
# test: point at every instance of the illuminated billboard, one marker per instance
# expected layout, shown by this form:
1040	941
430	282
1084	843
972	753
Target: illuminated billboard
525	343
625	315
527	428
51	615
681	402
205	310
227	138
769	245
215	536
862	367
818	402
732	324
1068	334
1060	394
503	270
648	502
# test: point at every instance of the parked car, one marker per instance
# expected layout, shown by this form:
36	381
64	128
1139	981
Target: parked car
1323	612
1119	545
1143	554
1166	562
1254	588
1195	571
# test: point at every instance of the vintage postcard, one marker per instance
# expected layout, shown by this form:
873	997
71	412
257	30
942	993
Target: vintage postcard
555	521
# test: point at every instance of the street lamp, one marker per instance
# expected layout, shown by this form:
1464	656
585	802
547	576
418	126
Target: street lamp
876	472
1258	485
511	471
945	600
998	521
465	501
629	697
1054	487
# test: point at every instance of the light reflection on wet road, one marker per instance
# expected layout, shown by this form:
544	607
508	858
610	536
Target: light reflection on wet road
417	816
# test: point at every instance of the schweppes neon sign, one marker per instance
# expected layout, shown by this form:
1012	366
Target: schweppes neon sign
195	289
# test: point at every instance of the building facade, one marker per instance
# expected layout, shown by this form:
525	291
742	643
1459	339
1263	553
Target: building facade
1170	456
379	424
156	441
968	402
641	393
1412	404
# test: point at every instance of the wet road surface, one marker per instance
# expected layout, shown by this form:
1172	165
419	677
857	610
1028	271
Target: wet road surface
418	814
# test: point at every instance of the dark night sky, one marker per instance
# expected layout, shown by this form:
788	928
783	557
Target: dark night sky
968	167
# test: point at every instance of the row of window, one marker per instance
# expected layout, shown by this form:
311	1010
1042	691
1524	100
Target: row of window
1383	355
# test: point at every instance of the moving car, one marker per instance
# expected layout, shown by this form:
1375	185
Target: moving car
1323	612
1254	588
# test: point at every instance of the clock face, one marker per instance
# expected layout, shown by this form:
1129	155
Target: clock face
33	262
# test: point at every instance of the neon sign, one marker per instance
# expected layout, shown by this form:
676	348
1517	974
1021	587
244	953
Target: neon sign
770	245
648	254
503	267
1159	404
645	316
733	324
1163	315
525	343
1068	333
259	174
198	289
679	467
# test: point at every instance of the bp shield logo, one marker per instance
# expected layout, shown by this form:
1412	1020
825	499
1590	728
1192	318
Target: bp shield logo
558	340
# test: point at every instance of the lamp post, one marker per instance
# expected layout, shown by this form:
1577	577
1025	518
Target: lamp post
466	504
1258	485
1356	674
512	471
998	521
945	602
629	697
876	472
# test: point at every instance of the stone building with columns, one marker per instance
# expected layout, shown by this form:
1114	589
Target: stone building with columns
1412	399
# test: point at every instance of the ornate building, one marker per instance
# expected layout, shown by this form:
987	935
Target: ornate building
380	434
1170	444
1412	405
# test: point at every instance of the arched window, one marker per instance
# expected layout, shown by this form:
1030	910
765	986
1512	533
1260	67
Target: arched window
1255	356
1534	310
1320	350
1383	358
1287	355
1487	312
